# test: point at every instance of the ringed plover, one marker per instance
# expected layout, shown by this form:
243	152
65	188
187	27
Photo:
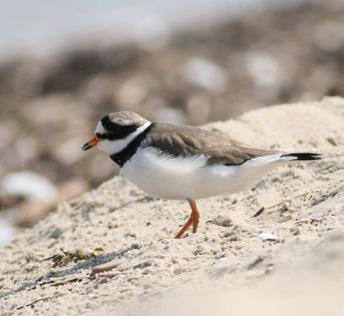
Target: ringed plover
183	162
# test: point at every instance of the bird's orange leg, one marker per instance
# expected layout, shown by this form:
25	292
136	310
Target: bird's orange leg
194	215
184	228
193	219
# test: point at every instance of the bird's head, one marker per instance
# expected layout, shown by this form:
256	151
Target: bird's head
116	130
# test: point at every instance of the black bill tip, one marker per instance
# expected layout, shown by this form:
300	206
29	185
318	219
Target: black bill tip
92	143
86	146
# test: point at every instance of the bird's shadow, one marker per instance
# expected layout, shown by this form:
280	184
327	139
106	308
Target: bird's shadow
51	276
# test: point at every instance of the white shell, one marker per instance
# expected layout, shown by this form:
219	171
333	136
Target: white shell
267	236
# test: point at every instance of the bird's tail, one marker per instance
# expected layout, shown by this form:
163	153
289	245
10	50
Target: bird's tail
301	156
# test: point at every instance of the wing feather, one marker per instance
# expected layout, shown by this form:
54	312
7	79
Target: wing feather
185	141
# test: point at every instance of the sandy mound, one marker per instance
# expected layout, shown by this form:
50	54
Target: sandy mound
312	286
118	225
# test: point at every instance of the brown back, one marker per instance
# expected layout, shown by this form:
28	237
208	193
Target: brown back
185	141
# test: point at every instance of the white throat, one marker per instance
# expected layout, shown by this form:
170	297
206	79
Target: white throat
115	146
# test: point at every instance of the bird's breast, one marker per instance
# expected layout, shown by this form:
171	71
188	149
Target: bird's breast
184	177
163	175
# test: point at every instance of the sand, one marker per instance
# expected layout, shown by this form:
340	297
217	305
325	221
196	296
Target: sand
53	268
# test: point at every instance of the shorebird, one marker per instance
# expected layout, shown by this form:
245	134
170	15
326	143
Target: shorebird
183	162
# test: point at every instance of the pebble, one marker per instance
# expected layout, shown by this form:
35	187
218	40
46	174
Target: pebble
178	271
295	231
266	71
7	231
56	233
222	221
143	265
29	185
267	236
205	73
284	219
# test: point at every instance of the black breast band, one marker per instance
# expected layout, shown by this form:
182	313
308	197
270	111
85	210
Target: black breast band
125	154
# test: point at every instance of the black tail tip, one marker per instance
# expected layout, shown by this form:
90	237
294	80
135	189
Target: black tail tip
304	156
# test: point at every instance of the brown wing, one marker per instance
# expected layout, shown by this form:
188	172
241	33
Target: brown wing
184	141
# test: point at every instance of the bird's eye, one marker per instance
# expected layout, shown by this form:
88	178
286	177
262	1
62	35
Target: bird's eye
101	136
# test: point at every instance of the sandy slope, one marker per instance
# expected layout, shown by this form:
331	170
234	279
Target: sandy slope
311	286
118	223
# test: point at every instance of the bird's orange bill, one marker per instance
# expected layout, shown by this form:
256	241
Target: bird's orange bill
93	142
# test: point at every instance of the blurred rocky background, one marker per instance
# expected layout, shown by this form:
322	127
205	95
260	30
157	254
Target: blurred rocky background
193	62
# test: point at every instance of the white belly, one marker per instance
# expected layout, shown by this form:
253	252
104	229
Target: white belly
189	178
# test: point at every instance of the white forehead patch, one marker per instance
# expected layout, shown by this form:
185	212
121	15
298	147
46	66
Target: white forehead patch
100	128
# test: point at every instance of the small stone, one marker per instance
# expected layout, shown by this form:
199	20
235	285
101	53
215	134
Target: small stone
130	234
269	267
284	219
178	271
295	231
56	233
331	141
146	286
206	74
254	263
7	231
146	271
135	246
99	250
223	221
113	225
143	265
267	236
29	185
